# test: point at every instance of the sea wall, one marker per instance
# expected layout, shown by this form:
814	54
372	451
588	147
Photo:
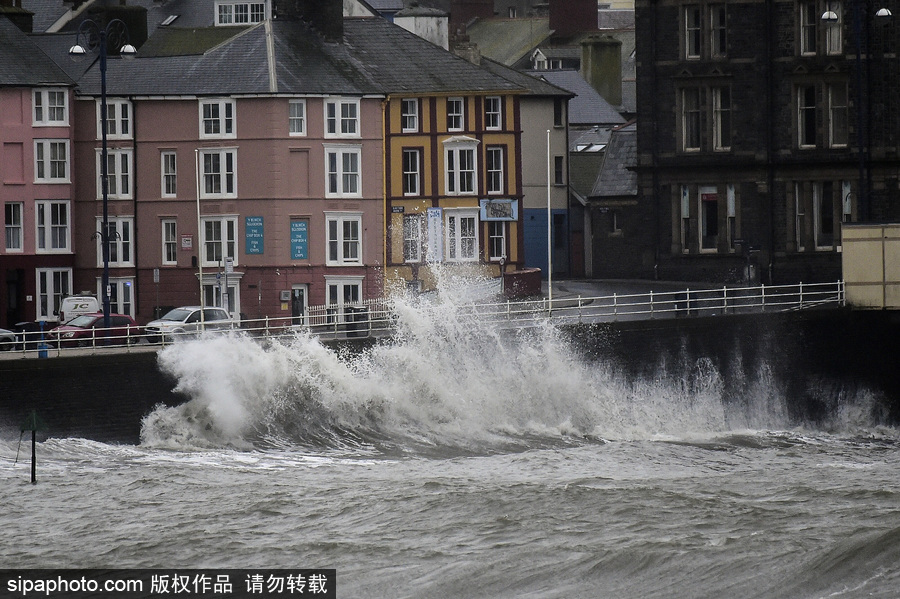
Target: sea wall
817	359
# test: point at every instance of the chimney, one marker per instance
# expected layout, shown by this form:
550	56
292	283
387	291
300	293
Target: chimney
568	17
601	66
326	16
464	48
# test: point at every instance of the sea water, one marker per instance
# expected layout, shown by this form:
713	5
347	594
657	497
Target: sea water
463	459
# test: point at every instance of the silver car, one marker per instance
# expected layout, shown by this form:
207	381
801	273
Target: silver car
187	320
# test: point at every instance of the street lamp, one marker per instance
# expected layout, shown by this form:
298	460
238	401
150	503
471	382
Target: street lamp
98	39
862	113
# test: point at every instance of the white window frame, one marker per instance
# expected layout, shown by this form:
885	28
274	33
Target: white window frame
341	180
297	118
336	288
121	297
413	237
691	120
339	247
703	224
118	118
52	285
222	124
121	241
456	114
722	136
55	236
342	117
43	160
409	115
412	173
693	31
41	108
834	30
803	112
823	208
168	167
14	228
494	240
227	179
461	166
493	113
118	173
495	159
455	237
225	243
838	112
240	13
718	30
169	230
809	24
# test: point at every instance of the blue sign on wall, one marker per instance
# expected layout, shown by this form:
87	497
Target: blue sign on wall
253	235
299	239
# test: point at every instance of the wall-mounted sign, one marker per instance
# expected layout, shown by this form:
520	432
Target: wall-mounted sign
300	239
187	243
254	236
497	209
398	209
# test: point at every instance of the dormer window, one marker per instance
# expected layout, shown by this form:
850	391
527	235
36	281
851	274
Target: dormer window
240	13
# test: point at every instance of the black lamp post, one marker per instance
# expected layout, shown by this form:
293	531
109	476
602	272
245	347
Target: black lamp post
862	103
98	38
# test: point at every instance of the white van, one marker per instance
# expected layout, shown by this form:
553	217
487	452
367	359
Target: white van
75	305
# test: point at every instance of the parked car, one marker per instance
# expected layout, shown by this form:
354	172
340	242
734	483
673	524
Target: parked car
7	340
75	305
87	329
186	320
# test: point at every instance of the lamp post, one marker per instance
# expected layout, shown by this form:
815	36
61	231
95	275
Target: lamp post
831	18
98	38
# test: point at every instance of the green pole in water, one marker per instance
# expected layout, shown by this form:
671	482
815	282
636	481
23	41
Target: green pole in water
33	423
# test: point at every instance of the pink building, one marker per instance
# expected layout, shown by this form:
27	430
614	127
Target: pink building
36	176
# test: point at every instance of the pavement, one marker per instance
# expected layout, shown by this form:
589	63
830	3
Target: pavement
572	289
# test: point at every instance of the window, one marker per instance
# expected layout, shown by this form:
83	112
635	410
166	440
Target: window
169	181
460	161
455	116
343	292
692	31
412	237
718	29
838	129
806	116
118	119
409	115
461	229
823	209
121	296
722	118
690	119
51	161
297	117
343	171
342	118
169	242
496	240
709	219
493	115
494	160
799	217
50	108
52	223
240	13
12	217
219	240
559	112
685	219
731	215
120	242
834	42
118	174
559	171
53	284
218	173
343	238
809	17
217	119
411	172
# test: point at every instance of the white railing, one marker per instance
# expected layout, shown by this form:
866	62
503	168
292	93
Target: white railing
376	318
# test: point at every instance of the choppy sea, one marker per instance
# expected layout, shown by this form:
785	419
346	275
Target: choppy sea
460	461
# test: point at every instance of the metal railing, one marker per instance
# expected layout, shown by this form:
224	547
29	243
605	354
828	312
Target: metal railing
377	318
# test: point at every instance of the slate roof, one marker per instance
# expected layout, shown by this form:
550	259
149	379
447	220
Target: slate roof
588	107
509	41
23	63
615	180
46	13
535	85
376	57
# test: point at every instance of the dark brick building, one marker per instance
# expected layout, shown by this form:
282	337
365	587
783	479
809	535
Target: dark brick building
762	126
